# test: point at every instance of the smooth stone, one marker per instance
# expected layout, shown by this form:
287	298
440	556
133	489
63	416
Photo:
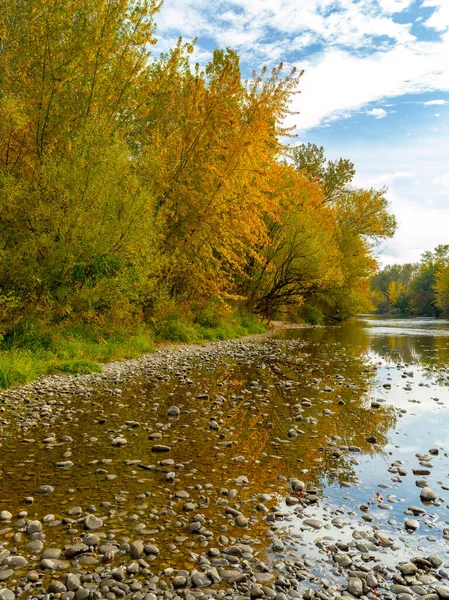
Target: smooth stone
427	495
160	448
34	527
314	523
92	522
54	564
15	561
45	489
137	548
73	582
57	587
51	553
408	569
241	521
355	586
411	524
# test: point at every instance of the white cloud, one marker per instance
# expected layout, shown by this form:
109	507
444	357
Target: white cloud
388	178
439	19
442	180
378	113
337	83
435	103
420	228
394	6
243	23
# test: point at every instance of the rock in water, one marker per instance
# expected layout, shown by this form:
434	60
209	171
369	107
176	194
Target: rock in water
427	495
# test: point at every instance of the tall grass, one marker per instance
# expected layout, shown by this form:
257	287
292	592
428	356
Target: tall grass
32	351
28	355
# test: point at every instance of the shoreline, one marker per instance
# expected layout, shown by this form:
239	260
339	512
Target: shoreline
133	367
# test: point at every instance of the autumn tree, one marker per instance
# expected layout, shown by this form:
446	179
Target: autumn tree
334	177
74	215
441	289
418	289
319	255
212	188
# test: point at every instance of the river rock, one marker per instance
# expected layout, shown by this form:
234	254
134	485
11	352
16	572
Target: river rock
427	495
92	522
34	527
160	448
45	489
57	587
136	548
355	586
298	485
241	521
15	561
119	441
73	582
411	524
408	569
151	549
314	523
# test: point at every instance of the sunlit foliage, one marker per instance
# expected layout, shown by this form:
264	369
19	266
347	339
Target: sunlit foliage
133	186
419	289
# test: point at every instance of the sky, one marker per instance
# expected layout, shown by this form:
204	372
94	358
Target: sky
375	90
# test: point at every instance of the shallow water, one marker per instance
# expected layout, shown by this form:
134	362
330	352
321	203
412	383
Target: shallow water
255	400
412	356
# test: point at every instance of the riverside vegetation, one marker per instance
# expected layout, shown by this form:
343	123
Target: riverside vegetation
420	289
146	198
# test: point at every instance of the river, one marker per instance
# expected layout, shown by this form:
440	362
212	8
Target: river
197	454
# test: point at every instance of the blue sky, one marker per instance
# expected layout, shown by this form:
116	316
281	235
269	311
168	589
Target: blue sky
375	89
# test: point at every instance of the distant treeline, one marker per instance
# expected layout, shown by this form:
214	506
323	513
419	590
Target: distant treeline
420	289
136	190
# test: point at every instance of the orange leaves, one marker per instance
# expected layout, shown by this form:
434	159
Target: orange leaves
217	158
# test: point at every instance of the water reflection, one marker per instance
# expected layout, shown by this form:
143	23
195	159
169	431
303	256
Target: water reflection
282	412
423	342
299	407
411	376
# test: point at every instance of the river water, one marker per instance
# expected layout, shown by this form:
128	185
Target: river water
336	407
412	362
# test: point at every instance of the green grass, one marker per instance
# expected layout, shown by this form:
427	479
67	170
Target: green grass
176	329
33	351
24	359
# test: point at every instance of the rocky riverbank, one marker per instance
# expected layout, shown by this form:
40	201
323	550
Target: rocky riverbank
195	473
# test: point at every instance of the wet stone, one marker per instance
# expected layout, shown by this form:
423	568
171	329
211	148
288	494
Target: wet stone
160	448
355	586
314	523
427	495
45	489
91	522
